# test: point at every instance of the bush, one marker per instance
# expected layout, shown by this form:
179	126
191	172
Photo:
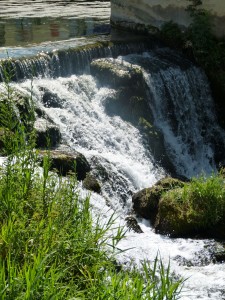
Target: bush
172	35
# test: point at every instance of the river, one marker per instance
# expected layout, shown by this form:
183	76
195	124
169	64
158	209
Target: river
29	28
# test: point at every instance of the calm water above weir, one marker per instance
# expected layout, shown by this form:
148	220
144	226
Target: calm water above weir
24	22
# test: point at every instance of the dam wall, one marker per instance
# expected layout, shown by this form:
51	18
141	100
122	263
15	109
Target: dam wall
141	14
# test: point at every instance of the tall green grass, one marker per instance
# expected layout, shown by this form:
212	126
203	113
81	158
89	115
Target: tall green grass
50	247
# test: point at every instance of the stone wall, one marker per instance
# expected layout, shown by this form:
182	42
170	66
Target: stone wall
129	13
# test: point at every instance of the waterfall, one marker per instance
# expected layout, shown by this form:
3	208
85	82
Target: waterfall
182	108
65	62
180	99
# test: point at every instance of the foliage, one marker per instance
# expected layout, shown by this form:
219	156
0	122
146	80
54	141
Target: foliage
201	45
199	205
50	245
172	34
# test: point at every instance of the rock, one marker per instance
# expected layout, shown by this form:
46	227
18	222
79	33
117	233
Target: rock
177	217
51	99
171	218
154	140
91	183
114	74
132	224
65	162
145	202
129	104
219	252
47	133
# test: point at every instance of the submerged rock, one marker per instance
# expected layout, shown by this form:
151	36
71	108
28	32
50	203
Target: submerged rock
64	162
91	183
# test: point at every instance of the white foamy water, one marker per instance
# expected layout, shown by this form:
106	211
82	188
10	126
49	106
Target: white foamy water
115	146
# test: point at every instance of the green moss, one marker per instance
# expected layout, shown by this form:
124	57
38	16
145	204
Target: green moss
196	208
145	202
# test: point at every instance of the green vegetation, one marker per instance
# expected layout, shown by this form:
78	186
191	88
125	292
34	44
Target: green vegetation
200	44
50	245
198	207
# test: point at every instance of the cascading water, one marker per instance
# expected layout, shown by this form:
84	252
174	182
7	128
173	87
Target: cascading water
182	106
115	150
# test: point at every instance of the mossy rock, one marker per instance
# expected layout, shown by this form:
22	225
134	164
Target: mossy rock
65	163
146	201
91	183
178	217
172	218
115	75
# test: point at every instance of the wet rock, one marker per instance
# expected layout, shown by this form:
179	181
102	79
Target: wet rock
65	162
91	183
51	99
47	133
146	201
129	104
132	224
219	252
153	138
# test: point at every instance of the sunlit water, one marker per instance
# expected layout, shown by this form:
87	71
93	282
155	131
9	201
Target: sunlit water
115	146
24	22
110	143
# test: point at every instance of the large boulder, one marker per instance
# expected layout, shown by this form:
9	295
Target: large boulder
47	133
172	218
110	73
146	201
192	211
66	162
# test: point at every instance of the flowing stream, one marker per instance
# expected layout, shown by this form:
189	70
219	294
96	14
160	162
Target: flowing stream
182	108
115	148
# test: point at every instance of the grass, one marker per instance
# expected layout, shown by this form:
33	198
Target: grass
51	247
196	208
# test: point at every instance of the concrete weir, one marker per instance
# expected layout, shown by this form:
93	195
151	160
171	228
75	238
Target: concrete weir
150	14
